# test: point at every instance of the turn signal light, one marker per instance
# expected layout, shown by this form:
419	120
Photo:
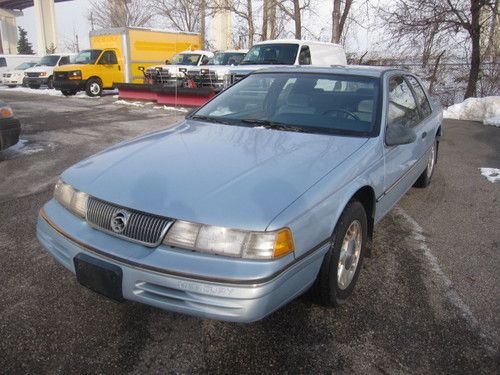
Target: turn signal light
6	112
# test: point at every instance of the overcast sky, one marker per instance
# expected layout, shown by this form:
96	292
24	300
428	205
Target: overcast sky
71	18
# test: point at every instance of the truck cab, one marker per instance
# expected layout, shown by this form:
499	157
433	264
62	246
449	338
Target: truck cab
287	52
43	72
93	71
176	68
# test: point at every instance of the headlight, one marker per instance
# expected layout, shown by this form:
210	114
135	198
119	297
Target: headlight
227	80
230	242
6	112
43	74
75	201
75	74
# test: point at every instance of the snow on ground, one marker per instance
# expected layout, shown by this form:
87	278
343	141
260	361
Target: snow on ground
492	174
143	104
26	147
52	92
486	110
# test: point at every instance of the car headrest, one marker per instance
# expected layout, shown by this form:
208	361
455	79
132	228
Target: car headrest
365	106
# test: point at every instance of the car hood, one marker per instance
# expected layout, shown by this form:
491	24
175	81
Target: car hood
247	69
71	67
231	176
39	69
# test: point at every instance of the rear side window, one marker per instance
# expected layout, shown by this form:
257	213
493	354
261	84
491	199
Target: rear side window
402	108
422	101
64	60
305	56
3	62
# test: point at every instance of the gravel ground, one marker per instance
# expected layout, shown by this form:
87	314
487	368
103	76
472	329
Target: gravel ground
426	302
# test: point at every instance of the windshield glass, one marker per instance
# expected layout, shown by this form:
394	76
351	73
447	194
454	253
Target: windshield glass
88	56
25	65
227	58
185	59
49	60
306	102
276	54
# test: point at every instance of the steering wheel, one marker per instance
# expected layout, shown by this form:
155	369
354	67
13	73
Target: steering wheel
346	113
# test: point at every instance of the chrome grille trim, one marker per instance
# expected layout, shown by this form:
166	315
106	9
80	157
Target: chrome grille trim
142	228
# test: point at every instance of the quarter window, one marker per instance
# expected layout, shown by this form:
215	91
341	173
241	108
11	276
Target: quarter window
305	56
3	62
402	109
108	58
64	60
422	101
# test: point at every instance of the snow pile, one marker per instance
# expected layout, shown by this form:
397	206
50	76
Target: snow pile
131	104
492	174
486	110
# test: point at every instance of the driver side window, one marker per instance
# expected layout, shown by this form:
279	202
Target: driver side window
108	58
402	108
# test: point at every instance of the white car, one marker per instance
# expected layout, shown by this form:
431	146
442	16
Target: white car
288	52
177	67
13	78
10	62
42	73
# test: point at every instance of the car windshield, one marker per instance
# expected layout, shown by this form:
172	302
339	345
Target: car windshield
25	65
49	60
302	102
88	56
275	54
226	58
185	59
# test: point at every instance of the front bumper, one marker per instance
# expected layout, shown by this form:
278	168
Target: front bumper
11	81
70	85
35	81
244	299
9	132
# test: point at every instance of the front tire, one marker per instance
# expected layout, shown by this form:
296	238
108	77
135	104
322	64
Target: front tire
93	87
425	178
50	83
342	263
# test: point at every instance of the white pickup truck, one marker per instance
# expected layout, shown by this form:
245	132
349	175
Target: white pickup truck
288	52
176	68
212	75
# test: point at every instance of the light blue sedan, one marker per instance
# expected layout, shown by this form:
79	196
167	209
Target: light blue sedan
270	189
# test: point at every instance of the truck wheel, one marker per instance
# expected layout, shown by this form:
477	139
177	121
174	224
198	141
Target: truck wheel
425	178
93	87
342	263
12	86
69	92
50	83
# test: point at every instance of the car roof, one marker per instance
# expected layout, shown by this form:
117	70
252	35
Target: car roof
361	70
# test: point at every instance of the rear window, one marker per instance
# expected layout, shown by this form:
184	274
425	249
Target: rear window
310	102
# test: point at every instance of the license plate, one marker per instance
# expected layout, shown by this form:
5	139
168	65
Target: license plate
99	276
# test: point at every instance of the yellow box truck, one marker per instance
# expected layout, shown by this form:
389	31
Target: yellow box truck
115	56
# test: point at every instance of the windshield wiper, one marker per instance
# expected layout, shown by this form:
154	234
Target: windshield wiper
218	120
274	125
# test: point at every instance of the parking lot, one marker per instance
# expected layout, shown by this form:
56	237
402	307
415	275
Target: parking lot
427	300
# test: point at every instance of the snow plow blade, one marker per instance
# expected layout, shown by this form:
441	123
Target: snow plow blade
182	96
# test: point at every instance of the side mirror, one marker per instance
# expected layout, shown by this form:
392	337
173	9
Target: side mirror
167	62
141	68
399	135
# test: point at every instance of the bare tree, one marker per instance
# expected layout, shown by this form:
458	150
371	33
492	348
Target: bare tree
339	17
294	9
269	24
431	19
120	13
182	15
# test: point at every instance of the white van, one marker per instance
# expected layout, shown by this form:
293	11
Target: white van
42	73
9	62
287	52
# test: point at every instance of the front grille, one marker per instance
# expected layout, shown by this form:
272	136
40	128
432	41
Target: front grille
60	75
33	75
144	228
204	79
7	75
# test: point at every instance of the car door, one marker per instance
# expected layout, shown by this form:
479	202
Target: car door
110	69
401	161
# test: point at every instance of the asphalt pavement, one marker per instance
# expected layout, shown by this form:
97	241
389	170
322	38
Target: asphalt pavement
427	301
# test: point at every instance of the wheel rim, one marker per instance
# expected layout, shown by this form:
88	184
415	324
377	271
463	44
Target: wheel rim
350	253
94	88
430	163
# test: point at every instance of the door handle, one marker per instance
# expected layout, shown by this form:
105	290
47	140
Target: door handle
424	134
119	67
